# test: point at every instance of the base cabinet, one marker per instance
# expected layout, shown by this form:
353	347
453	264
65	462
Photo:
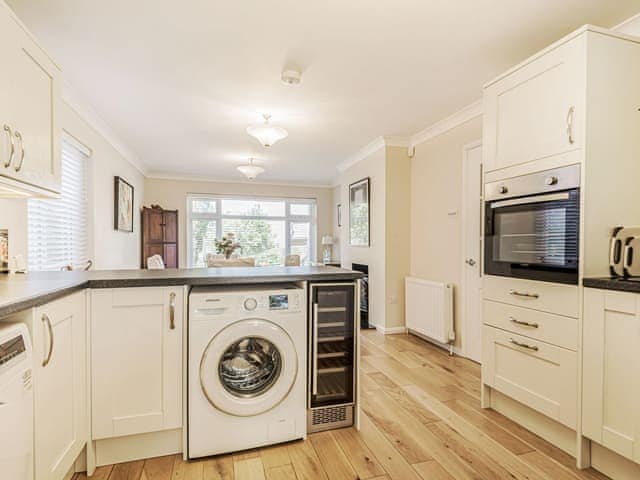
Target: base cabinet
59	355
611	362
136	360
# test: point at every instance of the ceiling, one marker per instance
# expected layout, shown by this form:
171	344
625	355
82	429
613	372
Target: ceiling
179	86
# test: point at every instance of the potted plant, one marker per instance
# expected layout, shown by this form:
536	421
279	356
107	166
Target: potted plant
227	245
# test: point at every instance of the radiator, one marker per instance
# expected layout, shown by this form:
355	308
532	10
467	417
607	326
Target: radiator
429	309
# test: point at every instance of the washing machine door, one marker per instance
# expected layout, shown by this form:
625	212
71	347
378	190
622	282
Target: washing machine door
248	368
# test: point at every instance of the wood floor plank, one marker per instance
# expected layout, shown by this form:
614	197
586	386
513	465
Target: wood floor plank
361	458
127	471
335	463
366	382
365	366
275	456
101	473
432	470
305	461
547	465
218	468
390	459
282	472
158	468
187	470
248	469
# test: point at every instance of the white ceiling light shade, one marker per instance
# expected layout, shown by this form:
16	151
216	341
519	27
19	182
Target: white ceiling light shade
266	133
291	77
251	171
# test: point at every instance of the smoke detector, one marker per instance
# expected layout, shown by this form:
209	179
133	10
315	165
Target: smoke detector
291	77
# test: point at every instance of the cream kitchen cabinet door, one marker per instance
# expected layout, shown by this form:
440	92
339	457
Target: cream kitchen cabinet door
610	378
29	105
136	367
537	110
60	393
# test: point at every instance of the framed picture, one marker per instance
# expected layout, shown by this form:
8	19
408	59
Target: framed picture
123	205
359	201
339	214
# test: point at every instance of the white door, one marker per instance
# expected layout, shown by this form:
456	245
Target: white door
136	351
472	283
59	357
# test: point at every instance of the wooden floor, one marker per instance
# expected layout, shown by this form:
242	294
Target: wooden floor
421	420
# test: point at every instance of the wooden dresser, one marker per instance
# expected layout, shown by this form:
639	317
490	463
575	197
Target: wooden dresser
159	235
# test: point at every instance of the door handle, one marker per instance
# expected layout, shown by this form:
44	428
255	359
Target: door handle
172	311
46	320
524	324
7	129
523	294
470	261
18	167
570	124
523	345
314	380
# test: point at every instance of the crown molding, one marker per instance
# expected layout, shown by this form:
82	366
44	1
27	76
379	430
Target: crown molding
79	105
181	177
633	22
372	147
461	116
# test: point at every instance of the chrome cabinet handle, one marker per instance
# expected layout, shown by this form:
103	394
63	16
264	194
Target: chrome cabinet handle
45	319
314	380
523	294
570	124
523	345
524	324
7	129
18	167
470	261
172	311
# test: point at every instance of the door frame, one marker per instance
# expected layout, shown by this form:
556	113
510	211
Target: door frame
463	219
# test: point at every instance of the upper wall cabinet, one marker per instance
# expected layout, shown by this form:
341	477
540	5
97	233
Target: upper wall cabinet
30	159
536	110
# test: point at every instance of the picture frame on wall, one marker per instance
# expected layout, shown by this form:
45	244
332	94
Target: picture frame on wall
123	205
359	213
339	214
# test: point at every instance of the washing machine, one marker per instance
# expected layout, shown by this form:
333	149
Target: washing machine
247	357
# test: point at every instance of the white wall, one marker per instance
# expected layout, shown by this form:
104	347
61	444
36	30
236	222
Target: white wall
172	195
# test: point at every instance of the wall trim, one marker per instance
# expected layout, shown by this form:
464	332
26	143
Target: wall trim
79	105
372	147
194	178
391	330
461	116
629	21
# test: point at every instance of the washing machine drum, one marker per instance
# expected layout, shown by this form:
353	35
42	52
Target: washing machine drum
248	368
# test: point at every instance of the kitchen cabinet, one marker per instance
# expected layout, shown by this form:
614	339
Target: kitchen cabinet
537	110
160	235
611	362
136	360
60	393
30	161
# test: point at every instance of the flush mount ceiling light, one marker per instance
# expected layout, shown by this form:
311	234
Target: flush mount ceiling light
266	133
290	77
251	171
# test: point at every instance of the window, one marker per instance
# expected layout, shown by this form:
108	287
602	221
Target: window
266	228
57	228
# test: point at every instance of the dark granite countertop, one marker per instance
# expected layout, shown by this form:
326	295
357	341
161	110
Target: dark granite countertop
613	283
21	291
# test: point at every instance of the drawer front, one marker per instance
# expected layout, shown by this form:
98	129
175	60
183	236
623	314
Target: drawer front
550	328
539	375
547	297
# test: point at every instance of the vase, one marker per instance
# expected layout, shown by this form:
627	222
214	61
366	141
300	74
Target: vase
227	255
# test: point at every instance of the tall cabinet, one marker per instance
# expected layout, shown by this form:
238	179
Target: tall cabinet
159	235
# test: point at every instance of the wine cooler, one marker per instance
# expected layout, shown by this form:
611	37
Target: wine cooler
332	354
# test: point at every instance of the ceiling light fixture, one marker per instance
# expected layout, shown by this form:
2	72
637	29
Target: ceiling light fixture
290	77
266	133
251	171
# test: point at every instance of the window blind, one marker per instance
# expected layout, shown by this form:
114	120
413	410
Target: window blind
57	228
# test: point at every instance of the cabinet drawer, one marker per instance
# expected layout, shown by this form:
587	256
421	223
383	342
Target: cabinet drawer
550	328
539	375
547	297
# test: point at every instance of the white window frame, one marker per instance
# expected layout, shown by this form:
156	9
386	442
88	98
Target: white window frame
288	218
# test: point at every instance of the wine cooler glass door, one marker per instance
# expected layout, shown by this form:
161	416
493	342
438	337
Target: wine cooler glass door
332	344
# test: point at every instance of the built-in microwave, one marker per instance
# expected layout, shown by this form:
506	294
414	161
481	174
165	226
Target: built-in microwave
532	226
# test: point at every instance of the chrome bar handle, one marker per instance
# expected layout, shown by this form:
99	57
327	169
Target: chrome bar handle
570	124
7	129
524	324
172	311
45	319
523	294
314	379
18	135
523	345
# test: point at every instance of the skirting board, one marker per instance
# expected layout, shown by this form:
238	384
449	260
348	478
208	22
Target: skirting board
444	346
612	464
137	447
390	330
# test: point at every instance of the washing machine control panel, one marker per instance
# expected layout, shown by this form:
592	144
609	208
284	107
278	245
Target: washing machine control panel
284	301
